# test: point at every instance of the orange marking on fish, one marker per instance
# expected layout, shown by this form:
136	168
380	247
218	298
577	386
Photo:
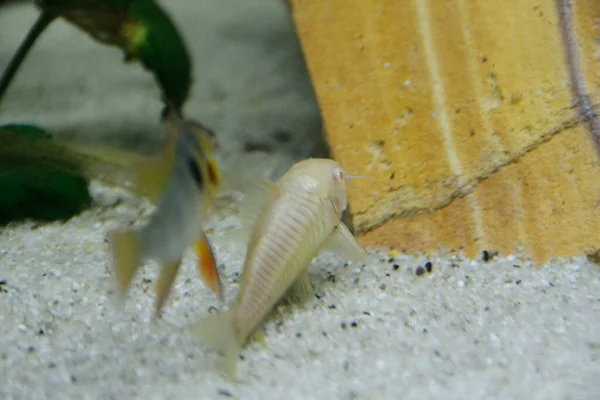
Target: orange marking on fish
207	266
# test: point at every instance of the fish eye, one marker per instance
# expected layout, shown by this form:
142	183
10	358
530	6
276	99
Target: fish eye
338	174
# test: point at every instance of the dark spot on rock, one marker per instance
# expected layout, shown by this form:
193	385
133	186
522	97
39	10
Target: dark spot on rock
518	282
485	256
594	257
484	59
488	255
298	334
390	260
31	349
382	286
454	265
424	330
332	306
353	324
147	280
486	308
73	379
516	266
395	267
41	332
356	280
392	175
551	284
420	271
212	309
387	274
366	313
343	325
51	364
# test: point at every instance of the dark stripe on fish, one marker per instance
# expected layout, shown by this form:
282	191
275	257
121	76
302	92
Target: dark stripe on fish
194	169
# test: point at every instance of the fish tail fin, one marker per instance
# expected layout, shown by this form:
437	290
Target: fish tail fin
126	258
207	266
216	332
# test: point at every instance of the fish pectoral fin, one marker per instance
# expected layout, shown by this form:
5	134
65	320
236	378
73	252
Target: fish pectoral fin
168	272
255	201
207	266
301	290
259	337
342	242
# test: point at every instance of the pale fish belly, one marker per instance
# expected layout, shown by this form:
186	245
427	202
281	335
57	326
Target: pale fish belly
176	224
290	236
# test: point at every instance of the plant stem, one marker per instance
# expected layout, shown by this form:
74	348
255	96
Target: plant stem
36	30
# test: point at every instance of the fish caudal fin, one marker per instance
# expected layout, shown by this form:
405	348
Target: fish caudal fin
216	332
168	272
126	259
207	266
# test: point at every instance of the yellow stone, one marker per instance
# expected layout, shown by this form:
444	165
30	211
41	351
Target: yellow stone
461	116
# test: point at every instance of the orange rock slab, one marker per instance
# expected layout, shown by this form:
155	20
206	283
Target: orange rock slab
460	115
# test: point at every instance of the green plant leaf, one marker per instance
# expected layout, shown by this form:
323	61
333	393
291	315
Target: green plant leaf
30	190
141	29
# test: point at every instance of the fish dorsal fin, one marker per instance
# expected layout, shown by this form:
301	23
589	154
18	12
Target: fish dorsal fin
256	200
153	172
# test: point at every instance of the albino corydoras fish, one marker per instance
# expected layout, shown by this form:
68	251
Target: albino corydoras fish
182	182
297	217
